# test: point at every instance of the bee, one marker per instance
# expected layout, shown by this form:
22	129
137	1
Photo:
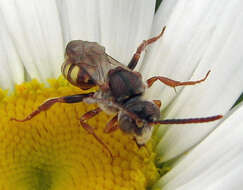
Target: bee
120	91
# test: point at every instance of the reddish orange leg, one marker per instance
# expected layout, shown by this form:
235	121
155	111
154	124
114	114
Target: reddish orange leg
157	102
90	130
132	64
48	103
173	83
112	125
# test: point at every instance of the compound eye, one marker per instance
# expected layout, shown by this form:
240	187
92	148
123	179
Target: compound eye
126	123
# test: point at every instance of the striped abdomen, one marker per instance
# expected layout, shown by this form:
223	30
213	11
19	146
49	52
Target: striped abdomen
77	75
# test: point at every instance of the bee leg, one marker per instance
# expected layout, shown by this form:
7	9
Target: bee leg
157	102
90	130
112	125
132	64
173	83
48	103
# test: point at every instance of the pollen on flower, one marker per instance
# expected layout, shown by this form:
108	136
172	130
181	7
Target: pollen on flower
52	151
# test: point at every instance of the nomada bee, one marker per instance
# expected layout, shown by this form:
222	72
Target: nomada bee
120	91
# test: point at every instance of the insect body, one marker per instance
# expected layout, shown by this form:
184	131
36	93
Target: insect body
120	91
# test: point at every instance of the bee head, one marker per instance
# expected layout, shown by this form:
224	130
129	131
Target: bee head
146	111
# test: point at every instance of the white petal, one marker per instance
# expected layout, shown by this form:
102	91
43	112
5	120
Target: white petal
80	20
12	71
201	35
40	30
120	25
216	163
36	34
124	25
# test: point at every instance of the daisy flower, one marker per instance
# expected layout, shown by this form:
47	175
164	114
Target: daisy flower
52	151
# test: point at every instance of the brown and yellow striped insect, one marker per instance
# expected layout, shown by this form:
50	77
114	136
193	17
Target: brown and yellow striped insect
120	91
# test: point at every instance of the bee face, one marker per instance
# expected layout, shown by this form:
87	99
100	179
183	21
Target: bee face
141	132
146	111
144	136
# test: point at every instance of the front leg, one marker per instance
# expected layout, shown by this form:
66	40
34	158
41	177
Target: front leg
90	130
50	102
112	125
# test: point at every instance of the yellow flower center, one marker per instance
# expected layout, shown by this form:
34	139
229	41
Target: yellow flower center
52	151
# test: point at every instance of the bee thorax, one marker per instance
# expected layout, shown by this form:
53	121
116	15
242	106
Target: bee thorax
109	108
125	84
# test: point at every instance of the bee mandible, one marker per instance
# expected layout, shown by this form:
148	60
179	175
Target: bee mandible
120	91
